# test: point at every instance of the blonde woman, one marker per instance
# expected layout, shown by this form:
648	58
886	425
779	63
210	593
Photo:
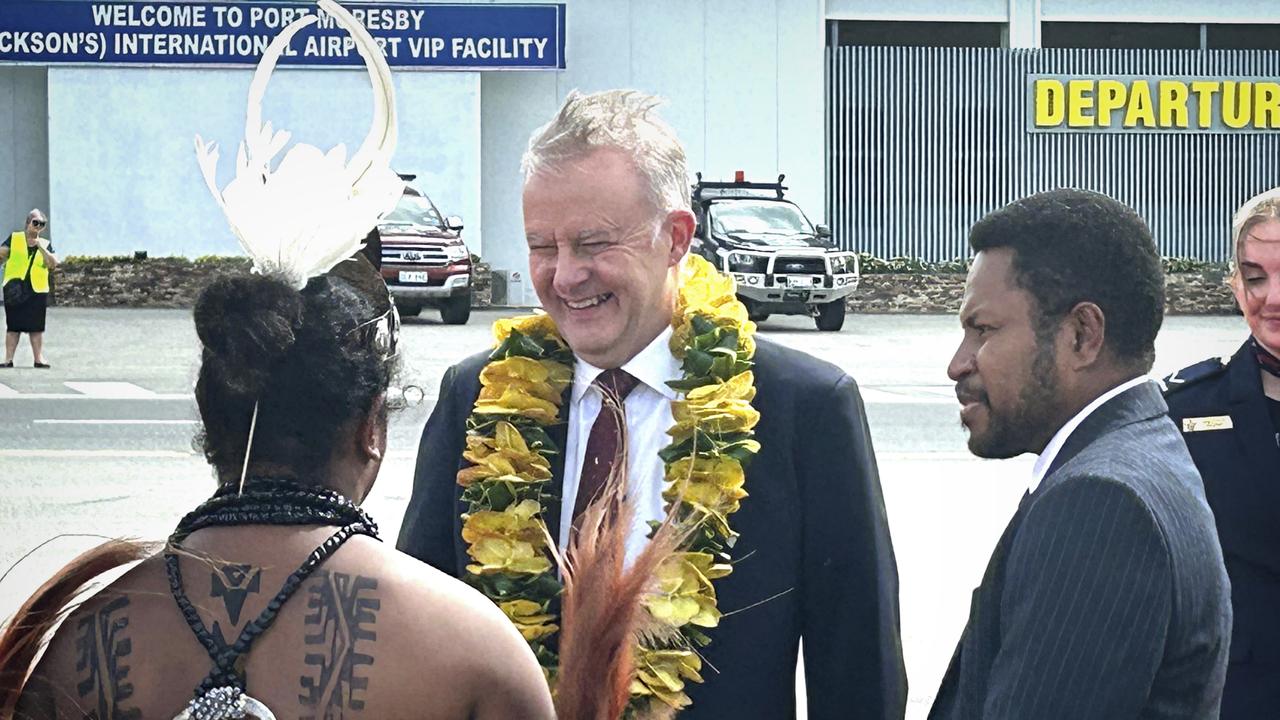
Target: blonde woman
1229	413
27	259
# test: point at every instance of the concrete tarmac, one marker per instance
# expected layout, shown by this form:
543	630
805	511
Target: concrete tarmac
104	444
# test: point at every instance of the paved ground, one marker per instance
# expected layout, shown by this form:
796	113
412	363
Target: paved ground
103	443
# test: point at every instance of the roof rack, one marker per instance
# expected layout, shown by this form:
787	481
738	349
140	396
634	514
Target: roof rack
737	184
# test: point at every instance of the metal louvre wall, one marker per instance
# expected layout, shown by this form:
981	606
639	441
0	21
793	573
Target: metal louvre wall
922	142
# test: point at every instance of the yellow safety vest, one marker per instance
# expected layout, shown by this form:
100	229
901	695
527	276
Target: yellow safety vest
16	267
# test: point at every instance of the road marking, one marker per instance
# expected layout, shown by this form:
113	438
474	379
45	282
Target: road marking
62	454
111	390
114	422
79	396
908	396
6	391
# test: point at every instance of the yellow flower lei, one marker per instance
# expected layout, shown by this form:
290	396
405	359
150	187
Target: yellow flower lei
522	389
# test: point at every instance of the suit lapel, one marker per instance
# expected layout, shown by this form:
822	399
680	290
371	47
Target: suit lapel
559	434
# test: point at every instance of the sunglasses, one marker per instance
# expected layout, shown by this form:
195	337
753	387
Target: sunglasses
38	223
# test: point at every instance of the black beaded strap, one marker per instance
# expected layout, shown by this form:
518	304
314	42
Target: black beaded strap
264	502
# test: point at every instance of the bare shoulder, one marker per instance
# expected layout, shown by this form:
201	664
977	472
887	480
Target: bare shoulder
428	602
442	623
89	656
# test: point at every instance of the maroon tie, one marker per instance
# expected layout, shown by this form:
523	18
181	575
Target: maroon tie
602	445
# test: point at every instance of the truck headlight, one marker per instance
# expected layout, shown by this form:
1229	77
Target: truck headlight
456	252
745	263
844	264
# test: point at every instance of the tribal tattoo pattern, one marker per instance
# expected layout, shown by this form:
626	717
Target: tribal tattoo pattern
342	610
104	647
233	584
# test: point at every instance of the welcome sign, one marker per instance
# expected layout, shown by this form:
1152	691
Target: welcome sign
411	35
1126	103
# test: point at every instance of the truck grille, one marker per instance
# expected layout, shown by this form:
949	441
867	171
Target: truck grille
809	265
424	255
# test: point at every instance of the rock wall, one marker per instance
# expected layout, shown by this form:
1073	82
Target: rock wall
175	282
1193	293
166	282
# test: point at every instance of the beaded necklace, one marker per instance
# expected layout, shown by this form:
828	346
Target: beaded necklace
264	501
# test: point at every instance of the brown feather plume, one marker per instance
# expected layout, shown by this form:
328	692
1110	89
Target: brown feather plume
601	607
27	633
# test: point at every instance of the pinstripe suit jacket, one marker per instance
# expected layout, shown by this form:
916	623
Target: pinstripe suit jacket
1107	596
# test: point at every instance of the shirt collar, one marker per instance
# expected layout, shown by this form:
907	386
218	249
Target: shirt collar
1046	458
653	366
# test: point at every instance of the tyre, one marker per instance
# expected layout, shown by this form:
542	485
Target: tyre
830	317
407	309
456	310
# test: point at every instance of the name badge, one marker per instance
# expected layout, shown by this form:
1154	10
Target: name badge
1217	422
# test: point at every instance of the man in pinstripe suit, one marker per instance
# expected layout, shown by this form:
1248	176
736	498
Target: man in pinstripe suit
1106	597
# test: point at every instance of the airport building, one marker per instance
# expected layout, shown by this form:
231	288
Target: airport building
898	124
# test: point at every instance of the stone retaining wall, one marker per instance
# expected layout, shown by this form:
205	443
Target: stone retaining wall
175	282
1201	293
166	282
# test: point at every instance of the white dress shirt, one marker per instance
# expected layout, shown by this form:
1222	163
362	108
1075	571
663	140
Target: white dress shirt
1046	458
648	417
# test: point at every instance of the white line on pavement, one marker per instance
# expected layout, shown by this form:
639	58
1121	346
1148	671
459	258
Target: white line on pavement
112	390
74	453
6	391
114	422
876	396
79	396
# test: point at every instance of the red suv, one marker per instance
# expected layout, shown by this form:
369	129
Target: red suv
424	261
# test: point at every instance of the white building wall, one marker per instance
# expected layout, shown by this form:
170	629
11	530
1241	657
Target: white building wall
743	80
931	10
24	148
1161	11
122	163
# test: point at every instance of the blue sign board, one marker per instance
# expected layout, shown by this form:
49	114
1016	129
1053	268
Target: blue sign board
413	35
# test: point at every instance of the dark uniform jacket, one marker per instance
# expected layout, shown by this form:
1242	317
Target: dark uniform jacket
1106	598
813	559
1223	415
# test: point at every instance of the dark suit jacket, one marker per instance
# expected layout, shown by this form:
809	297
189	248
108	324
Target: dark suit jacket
1106	598
1241	470
814	558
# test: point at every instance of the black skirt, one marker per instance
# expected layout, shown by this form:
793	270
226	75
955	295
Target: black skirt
28	316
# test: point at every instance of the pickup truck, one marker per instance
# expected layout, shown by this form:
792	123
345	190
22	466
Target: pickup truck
782	263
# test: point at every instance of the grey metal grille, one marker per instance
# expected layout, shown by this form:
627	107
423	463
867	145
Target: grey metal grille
414	254
922	142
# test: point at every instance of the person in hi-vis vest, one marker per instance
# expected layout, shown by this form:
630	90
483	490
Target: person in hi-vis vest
27	259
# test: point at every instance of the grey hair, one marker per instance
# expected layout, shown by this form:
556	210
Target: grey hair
1259	208
36	211
624	120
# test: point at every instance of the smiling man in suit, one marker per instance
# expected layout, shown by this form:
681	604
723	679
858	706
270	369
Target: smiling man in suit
607	219
1106	597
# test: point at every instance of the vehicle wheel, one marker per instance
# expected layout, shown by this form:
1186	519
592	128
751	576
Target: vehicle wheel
830	316
408	309
456	310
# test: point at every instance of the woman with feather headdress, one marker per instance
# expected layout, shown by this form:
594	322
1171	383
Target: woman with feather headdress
275	597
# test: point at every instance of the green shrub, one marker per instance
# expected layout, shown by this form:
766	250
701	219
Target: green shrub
1178	265
872	265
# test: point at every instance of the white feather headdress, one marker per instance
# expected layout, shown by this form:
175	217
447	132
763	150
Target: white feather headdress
315	209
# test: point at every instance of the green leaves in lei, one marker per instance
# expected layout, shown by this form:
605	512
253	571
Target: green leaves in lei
713	442
506	503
